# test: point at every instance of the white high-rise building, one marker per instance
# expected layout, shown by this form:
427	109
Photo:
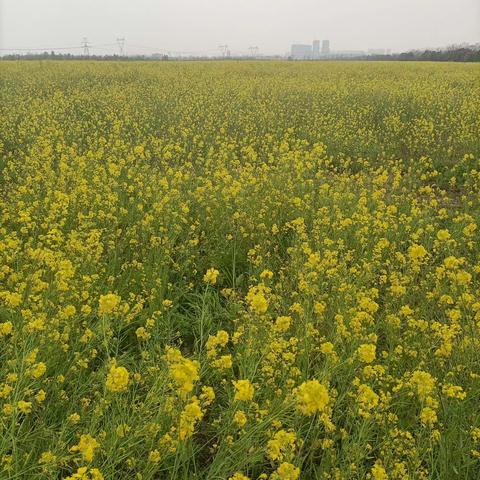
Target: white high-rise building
301	52
325	47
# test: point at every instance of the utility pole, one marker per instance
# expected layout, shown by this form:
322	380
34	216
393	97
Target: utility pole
121	46
86	47
253	51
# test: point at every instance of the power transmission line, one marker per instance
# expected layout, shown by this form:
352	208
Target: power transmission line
37	49
86	48
46	49
172	52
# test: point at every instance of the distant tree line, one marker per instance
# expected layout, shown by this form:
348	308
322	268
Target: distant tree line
453	53
70	56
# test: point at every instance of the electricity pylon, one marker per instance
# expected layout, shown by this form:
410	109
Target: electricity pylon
223	50
86	47
253	51
121	46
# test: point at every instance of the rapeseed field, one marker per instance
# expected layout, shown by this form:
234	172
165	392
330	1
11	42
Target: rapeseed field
239	270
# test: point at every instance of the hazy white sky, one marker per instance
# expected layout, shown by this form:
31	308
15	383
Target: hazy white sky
200	26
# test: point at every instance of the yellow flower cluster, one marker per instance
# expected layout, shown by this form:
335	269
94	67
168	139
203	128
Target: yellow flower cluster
239	270
117	379
211	276
86	447
108	303
84	473
281	445
243	390
183	370
190	415
312	397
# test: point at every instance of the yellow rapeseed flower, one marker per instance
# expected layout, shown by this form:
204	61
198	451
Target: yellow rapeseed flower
211	276
108	303
86	447
117	379
312	397
244	390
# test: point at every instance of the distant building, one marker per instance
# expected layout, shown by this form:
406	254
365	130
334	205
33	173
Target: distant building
348	53
325	47
376	51
301	52
310	52
159	56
